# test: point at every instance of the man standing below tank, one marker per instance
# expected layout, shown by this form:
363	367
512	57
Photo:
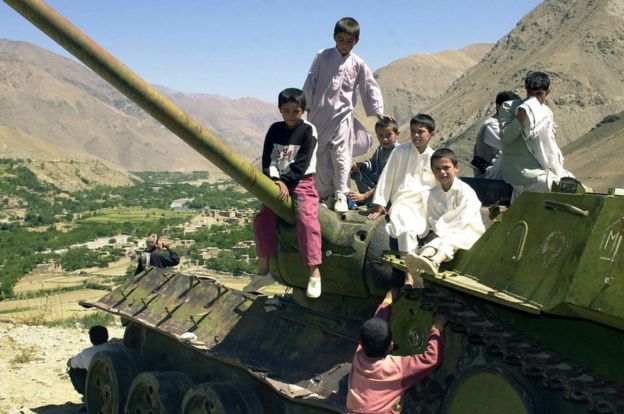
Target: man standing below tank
154	255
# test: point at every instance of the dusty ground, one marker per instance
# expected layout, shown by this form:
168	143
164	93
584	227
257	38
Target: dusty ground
33	360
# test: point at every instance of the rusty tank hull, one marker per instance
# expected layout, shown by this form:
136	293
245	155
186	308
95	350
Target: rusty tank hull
536	309
505	352
215	335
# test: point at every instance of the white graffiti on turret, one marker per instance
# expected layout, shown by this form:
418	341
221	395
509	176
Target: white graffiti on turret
610	244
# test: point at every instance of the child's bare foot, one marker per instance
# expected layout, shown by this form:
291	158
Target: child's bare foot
409	279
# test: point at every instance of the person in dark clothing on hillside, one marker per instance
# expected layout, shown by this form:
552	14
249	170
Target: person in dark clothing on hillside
154	256
78	365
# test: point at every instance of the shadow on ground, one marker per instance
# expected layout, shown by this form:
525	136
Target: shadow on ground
67	408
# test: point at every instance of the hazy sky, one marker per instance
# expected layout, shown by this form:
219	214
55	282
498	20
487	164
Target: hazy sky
248	48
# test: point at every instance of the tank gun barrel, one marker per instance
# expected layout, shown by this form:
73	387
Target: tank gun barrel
153	102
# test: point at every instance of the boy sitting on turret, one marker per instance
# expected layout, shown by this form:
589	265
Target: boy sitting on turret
453	216
487	147
405	183
289	159
532	160
366	174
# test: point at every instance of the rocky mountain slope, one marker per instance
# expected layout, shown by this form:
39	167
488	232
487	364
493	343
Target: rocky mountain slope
414	82
59	101
580	44
53	164
596	158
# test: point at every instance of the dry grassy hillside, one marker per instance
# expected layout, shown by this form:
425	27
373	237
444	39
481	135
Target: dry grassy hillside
19	145
72	175
580	44
60	101
242	122
596	159
54	165
412	83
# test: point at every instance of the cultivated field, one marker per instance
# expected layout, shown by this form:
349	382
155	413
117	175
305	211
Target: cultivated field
133	215
51	297
49	308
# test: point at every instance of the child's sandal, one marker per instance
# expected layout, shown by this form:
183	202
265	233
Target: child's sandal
421	264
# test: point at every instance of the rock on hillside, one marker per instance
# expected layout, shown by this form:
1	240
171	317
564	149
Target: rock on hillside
579	43
596	158
62	102
412	83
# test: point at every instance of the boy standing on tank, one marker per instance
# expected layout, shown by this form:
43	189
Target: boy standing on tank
453	216
330	92
377	379
366	174
289	159
404	184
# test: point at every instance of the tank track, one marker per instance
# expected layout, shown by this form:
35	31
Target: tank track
530	359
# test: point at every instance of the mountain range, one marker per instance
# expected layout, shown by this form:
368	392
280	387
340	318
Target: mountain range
53	107
580	44
61	102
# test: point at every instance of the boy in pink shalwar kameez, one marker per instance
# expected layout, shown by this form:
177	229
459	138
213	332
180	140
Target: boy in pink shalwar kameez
289	159
377	379
330	92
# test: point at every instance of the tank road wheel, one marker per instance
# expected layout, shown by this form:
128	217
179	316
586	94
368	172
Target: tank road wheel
221	398
157	393
108	380
489	390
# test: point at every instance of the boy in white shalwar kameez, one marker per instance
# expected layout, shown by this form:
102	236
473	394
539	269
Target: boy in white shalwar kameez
404	184
531	160
329	89
453	216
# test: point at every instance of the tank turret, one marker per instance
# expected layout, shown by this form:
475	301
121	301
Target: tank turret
535	306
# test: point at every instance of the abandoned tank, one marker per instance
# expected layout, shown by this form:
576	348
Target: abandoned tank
536	306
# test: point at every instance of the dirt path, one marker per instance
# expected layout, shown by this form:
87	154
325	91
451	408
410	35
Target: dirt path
33	361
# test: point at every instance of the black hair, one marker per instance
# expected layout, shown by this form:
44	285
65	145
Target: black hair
291	95
375	337
505	96
536	81
385	123
98	335
444	153
424	119
349	26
